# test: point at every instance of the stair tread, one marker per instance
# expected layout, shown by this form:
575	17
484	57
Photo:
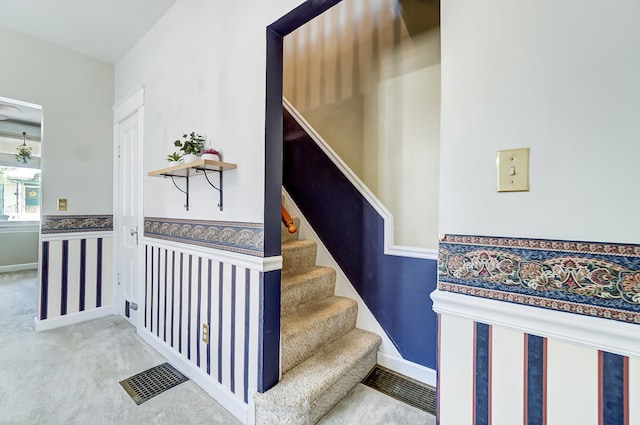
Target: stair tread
297	243
314	313
318	373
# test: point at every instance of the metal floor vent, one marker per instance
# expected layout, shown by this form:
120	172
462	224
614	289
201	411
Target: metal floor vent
402	388
148	384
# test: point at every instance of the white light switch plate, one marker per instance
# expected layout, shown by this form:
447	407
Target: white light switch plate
513	170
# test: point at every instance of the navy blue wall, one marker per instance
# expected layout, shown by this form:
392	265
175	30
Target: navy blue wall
396	289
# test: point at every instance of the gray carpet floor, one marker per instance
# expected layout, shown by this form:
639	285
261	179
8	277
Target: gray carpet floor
71	375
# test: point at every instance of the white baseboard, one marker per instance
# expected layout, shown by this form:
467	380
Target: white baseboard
18	267
407	368
223	396
70	319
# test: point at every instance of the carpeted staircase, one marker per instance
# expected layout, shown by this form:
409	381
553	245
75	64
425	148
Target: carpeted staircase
323	354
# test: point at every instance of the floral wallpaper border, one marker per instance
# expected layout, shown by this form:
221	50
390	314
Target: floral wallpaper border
595	279
51	224
238	237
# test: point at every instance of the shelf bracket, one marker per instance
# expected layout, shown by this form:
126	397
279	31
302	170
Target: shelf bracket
219	189
185	191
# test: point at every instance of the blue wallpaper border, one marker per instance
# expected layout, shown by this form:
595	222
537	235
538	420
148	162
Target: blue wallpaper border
238	237
52	224
594	279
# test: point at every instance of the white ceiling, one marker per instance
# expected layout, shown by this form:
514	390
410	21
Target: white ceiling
102	29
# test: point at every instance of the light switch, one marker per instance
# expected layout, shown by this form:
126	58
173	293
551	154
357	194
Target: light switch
513	170
62	204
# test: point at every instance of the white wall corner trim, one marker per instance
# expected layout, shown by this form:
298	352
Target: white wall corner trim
215	390
130	103
270	264
601	334
70	319
389	247
412	370
18	267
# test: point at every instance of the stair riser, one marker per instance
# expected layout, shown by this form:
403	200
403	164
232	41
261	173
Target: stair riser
307	289
299	346
295	260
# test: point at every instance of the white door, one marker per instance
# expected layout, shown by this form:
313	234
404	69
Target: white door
128	218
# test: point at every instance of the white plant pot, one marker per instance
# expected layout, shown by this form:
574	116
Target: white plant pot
211	156
174	163
190	158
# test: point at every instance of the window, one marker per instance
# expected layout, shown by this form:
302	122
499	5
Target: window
19	194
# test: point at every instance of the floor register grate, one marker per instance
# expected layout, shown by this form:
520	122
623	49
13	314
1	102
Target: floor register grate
402	388
148	384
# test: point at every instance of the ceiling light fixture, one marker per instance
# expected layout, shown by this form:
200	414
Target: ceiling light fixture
24	151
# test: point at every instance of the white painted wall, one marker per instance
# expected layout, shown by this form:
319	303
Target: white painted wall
560	78
203	69
407	123
76	93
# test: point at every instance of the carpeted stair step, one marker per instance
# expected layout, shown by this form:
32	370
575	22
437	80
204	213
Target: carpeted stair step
298	255
284	232
308	329
311	285
310	390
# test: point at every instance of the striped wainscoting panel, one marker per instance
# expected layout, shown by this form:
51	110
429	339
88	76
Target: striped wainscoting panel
494	375
186	290
75	275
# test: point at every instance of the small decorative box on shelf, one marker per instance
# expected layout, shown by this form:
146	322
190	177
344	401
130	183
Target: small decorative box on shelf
195	168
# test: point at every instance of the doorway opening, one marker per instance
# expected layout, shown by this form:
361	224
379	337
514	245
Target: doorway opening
274	131
20	212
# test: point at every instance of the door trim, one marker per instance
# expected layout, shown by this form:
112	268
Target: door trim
130	104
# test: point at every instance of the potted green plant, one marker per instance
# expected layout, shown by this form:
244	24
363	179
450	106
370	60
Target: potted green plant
174	158
191	145
211	154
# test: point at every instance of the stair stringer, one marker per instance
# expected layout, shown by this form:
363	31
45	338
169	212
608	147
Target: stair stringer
388	354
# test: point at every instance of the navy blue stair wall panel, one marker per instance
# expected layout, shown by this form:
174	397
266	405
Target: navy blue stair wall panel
396	289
